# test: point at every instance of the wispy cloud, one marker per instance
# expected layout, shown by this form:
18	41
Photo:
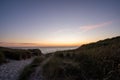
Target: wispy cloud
17	44
94	26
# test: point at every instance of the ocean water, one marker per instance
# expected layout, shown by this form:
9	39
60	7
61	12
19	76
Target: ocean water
54	49
46	50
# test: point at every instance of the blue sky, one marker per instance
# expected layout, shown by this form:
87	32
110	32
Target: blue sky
57	22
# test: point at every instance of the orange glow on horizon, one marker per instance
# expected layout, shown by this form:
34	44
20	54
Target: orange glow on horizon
55	44
60	43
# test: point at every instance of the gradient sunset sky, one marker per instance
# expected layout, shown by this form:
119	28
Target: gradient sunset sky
57	22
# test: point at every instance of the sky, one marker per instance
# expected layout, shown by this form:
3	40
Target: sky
57	22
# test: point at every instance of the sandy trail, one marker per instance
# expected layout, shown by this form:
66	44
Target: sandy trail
11	70
37	74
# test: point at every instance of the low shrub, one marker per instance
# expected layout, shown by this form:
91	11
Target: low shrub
35	52
2	58
59	69
26	72
16	54
29	69
52	68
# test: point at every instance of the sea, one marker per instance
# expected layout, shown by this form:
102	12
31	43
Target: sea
46	50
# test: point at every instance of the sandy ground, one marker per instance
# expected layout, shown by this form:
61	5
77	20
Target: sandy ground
11	70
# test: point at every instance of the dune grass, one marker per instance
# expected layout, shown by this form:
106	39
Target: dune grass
95	61
29	69
2	58
60	69
19	54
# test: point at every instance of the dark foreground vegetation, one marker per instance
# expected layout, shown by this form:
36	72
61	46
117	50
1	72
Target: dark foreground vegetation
17	54
29	69
94	61
2	58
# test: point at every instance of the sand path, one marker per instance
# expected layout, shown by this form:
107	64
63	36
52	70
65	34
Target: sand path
37	74
11	70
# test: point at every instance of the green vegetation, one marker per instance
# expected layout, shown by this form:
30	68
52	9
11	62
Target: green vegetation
94	61
2	58
58	69
29	69
35	52
19	54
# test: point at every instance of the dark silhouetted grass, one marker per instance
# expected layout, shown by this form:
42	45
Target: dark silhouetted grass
2	58
29	69
19	54
94	61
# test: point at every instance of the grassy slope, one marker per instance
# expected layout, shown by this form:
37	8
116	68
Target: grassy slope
100	60
2	58
29	69
94	61
19	54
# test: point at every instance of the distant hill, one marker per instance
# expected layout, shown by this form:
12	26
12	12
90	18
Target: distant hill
102	43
